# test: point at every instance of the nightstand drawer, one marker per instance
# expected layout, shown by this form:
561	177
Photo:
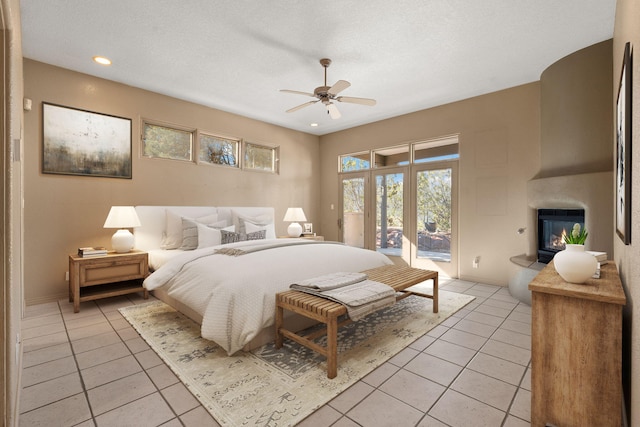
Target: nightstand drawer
111	271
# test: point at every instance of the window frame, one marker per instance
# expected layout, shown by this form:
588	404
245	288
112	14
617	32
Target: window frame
355	155
275	157
238	149
148	122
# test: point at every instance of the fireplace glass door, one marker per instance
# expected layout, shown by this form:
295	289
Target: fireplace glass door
553	225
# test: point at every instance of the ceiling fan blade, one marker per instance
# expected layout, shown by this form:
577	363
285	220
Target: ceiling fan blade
297	92
333	111
361	101
301	106
338	87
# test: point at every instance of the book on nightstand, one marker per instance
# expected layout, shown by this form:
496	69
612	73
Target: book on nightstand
92	251
600	256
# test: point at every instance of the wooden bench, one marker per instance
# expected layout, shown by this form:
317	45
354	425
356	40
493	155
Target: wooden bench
326	311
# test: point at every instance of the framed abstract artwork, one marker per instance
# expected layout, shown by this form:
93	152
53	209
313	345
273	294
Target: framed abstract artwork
79	142
623	149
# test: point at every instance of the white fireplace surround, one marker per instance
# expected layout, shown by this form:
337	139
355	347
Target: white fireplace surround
592	192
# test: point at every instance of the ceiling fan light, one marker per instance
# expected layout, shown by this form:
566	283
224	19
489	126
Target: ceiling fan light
326	94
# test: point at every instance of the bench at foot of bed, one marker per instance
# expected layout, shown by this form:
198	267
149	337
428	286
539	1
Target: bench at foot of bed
326	311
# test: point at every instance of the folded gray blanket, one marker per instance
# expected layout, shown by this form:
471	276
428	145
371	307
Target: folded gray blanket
360	298
331	281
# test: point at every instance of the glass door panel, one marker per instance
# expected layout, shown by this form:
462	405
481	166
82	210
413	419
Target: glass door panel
436	220
390	213
353	202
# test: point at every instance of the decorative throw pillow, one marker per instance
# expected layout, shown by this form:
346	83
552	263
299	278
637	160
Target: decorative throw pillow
189	235
172	235
173	232
249	226
256	235
264	220
211	235
230	237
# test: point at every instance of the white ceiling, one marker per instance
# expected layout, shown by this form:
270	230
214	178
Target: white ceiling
236	55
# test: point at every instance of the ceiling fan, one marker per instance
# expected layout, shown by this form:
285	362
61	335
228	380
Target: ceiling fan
327	95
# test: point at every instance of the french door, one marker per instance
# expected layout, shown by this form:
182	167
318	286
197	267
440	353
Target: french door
391	212
408	212
353	202
434	217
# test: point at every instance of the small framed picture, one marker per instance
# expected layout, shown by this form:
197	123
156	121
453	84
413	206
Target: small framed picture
307	228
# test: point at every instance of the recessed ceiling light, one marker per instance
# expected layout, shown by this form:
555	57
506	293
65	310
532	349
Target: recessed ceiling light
102	60
314	125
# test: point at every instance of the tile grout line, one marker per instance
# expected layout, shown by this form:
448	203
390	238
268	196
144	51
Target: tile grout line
157	389
75	359
476	353
448	387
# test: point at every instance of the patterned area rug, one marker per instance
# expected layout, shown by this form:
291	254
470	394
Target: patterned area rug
269	387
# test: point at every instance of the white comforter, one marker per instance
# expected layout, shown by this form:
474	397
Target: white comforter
236	294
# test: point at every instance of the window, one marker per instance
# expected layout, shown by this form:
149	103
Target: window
355	162
260	157
394	156
167	142
217	150
436	150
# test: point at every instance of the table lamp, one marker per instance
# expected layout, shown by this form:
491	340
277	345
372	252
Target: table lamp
295	215
122	217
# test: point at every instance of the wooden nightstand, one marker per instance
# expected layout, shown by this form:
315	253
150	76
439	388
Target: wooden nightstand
96	277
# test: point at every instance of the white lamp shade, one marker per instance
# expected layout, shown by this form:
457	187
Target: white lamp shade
122	217
295	214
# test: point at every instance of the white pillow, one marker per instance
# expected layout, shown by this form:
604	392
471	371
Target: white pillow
173	231
209	236
265	221
252	228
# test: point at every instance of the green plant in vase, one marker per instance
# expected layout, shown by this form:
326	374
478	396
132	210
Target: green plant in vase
577	236
573	264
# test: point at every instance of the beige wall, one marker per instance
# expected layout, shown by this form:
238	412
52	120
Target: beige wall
576	122
499	152
627	29
576	125
64	212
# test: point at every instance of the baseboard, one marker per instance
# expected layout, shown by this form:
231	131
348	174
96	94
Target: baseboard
44	300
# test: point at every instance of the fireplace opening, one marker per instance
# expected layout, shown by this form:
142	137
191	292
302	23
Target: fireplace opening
553	224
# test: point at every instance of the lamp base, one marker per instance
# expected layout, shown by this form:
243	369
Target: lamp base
122	241
294	230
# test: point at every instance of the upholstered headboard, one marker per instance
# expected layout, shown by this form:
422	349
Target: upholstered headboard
153	220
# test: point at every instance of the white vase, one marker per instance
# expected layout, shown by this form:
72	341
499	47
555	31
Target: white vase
574	265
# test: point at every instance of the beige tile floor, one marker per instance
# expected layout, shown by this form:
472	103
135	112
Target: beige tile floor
91	368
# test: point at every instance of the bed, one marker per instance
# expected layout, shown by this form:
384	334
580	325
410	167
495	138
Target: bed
203	266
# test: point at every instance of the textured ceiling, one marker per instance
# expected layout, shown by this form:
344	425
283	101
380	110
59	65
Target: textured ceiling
236	55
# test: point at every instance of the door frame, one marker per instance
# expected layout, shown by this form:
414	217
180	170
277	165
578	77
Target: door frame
366	175
407	202
450	269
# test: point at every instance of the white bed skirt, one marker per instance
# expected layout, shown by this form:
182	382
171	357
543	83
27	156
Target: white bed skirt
293	321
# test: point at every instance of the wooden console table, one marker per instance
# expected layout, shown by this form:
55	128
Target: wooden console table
576	352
